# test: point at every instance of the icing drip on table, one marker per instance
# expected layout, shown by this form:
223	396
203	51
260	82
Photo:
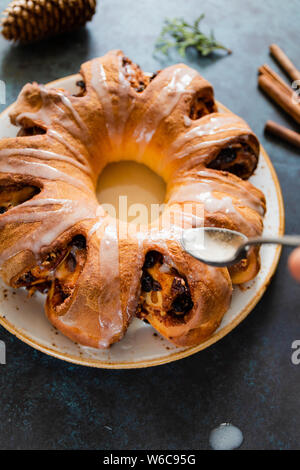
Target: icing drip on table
162	107
226	437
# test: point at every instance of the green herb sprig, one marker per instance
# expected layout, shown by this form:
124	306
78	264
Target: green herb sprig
182	35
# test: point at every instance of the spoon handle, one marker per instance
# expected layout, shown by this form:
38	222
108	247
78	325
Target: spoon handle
291	240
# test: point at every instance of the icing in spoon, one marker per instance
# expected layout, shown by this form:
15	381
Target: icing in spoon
222	247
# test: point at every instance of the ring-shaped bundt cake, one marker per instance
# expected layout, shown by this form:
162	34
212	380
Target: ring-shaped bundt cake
56	238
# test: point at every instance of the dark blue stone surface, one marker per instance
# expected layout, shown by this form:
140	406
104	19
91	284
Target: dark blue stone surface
247	378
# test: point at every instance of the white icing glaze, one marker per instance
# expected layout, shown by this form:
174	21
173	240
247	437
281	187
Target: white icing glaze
125	105
67	103
115	126
53	222
57	136
95	227
39	170
162	107
216	179
202	192
42	114
78	129
189	149
110	309
41	155
192	189
187	121
99	84
234	196
212	125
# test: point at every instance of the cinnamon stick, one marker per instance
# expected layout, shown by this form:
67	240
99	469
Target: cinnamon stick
279	91
267	70
283	132
285	62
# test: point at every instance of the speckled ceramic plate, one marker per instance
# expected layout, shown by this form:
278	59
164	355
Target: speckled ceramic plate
140	347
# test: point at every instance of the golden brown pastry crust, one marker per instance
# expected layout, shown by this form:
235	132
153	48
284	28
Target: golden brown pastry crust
168	122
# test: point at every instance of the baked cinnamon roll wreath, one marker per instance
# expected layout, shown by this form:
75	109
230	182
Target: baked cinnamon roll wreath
56	238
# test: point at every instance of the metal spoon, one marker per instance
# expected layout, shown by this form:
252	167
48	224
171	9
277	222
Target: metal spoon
222	247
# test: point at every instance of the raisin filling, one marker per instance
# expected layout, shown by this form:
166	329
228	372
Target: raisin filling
200	107
82	89
238	159
15	194
164	292
57	273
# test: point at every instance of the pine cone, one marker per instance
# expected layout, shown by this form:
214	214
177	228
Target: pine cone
31	20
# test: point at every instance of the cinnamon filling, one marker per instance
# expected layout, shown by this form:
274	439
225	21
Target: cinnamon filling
200	107
15	194
238	159
136	77
132	72
164	292
57	274
29	131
